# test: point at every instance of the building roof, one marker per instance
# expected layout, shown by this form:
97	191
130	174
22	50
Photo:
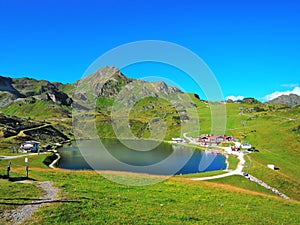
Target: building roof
30	142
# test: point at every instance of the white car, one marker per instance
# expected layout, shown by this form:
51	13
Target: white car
245	146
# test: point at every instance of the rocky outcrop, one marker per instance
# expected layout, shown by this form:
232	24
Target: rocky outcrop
57	97
8	93
111	83
162	87
105	82
287	100
250	101
48	134
6	98
137	90
6	85
12	127
27	90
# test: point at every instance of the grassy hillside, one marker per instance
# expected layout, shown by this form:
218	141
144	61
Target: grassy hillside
39	110
88	198
143	115
271	132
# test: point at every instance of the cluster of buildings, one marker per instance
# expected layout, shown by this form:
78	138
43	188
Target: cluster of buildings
208	139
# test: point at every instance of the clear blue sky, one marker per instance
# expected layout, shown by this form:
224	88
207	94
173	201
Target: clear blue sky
253	47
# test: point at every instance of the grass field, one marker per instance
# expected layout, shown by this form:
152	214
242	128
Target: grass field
39	110
14	195
233	162
91	199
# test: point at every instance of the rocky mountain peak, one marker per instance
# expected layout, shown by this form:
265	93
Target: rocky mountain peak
288	100
105	82
162	87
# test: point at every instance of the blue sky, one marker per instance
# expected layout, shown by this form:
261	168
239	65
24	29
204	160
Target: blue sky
252	47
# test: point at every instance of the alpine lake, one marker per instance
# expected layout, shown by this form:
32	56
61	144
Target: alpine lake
161	158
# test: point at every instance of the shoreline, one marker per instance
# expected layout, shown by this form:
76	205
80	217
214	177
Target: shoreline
55	161
219	150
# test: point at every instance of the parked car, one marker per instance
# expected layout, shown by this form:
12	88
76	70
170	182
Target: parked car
246	145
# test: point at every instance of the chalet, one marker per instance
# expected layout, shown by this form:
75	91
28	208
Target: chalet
213	139
30	146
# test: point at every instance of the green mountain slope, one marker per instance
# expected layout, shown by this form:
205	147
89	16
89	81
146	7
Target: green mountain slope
273	129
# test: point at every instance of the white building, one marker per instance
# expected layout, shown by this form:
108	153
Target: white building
178	140
30	146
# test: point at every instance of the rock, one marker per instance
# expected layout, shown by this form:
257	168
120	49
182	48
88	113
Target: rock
30	100
57	97
29	90
162	87
250	101
287	100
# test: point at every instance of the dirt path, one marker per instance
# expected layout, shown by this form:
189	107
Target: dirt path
22	134
19	156
237	171
190	139
19	215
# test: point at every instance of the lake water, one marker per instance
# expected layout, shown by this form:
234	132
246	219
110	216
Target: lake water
165	159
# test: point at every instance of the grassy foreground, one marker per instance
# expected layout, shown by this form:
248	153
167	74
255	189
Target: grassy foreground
89	198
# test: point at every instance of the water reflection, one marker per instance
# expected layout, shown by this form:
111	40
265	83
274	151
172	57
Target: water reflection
179	160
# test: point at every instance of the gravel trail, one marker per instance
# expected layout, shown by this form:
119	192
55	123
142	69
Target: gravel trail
19	215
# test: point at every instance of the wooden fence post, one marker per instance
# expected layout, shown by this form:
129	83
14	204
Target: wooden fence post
26	168
8	169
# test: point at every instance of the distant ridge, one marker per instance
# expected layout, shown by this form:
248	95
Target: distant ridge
290	100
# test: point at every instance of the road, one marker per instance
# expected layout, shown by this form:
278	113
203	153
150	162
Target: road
18	156
237	171
191	140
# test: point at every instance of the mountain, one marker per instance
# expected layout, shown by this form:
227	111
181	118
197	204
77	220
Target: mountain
109	82
117	98
55	104
28	90
107	97
290	100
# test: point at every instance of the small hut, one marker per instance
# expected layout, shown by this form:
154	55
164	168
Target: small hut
30	146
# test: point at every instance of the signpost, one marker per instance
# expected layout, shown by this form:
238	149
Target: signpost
8	169
26	166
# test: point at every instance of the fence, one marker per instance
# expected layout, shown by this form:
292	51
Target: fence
11	166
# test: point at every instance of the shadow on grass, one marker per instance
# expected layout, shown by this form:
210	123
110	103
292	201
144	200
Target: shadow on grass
37	202
3	176
25	199
15	179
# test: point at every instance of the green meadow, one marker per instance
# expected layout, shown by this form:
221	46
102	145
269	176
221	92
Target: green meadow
87	197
